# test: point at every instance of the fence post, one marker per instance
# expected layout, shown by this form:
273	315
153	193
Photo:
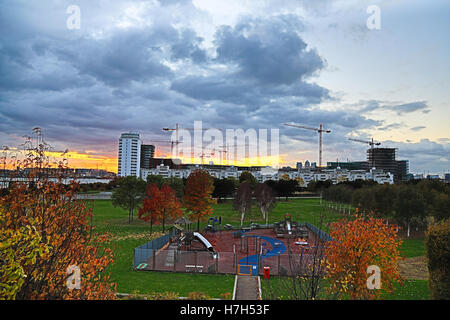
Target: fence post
175	260
195	267
153	259
278	268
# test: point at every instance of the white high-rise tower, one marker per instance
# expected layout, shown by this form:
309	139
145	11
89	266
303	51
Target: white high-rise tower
129	154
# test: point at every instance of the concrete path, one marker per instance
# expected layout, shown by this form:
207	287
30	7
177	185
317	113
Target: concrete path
170	259
247	288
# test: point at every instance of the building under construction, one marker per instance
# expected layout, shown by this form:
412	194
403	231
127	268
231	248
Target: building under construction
385	159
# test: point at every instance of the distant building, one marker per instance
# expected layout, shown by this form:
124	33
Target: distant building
299	165
304	177
447	177
355	165
129	154
307	164
385	159
433	177
402	170
147	153
155	162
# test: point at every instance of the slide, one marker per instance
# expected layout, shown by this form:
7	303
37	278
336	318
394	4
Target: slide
205	242
288	225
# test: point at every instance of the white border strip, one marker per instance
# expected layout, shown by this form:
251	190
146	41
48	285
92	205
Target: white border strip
234	289
259	287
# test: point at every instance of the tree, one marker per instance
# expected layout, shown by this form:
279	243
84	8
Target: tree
20	247
171	207
129	194
409	206
437	240
356	245
266	200
151	206
157	179
177	185
44	229
285	188
223	188
249	177
243	200
159	205
198	195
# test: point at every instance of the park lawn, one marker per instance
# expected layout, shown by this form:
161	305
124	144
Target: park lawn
142	282
127	236
413	247
409	290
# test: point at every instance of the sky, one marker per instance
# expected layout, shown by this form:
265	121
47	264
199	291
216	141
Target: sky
144	65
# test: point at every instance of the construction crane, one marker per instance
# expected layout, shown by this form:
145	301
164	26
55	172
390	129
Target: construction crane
172	143
177	128
371	142
320	130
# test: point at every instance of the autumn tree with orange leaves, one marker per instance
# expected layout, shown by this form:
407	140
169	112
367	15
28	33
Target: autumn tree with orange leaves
198	195
159	205
356	245
44	229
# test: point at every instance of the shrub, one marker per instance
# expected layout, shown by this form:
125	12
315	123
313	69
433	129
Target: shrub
437	242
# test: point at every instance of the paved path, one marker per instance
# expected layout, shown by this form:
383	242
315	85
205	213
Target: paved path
247	288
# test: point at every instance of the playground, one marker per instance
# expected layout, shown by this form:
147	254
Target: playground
284	247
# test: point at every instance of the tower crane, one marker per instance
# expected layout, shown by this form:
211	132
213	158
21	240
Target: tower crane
371	143
177	128
320	130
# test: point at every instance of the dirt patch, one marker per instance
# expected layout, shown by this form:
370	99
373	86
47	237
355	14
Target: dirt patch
414	268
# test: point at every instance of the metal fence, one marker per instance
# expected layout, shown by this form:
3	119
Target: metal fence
247	257
144	253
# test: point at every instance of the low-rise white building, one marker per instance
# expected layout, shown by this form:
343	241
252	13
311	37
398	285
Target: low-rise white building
304	177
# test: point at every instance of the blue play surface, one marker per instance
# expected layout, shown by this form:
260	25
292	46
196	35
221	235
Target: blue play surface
277	247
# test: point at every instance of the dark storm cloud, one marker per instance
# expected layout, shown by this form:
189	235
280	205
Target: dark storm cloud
268	51
265	60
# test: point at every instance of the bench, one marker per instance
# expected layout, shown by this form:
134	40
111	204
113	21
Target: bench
196	268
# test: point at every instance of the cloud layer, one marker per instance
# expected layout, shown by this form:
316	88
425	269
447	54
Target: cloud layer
147	65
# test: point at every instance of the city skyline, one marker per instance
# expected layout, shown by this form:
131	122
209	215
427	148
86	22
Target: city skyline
142	66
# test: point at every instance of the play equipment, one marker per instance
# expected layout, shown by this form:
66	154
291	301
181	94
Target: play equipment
211	227
194	241
290	229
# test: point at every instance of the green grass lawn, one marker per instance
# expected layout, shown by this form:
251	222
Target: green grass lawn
410	290
412	247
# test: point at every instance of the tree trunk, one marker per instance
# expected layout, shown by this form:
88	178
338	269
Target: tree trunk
408	229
